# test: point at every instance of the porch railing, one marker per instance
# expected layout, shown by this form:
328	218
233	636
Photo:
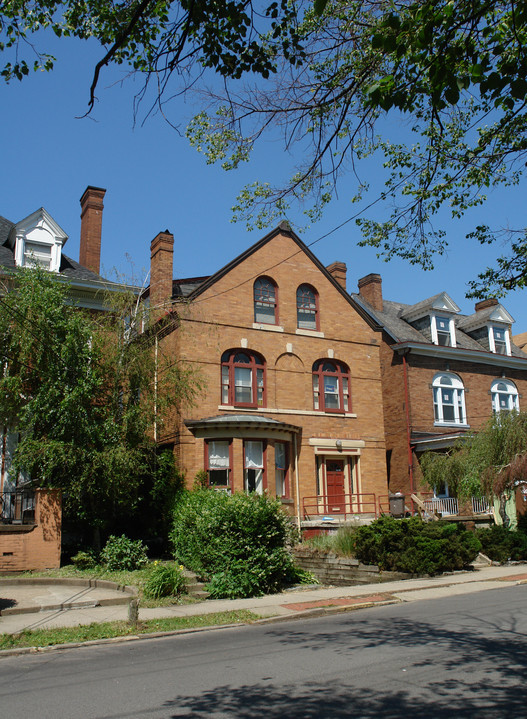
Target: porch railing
17	507
442	505
340	506
480	505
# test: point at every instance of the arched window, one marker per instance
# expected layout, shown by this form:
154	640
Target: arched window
504	396
265	301
242	379
449	399
331	386
306	308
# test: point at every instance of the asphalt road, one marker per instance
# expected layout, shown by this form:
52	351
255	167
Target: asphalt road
455	657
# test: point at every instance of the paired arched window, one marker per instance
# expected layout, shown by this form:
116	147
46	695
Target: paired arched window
265	301
242	378
449	399
504	396
307	308
331	386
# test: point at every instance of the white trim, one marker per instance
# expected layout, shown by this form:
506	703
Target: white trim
451	329
309	333
456	386
325	443
492	344
511	392
274	410
457	353
269	328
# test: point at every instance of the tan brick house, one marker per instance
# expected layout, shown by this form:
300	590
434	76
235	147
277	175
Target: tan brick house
291	364
443	374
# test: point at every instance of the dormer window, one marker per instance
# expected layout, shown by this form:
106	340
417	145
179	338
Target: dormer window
37	255
499	340
443	331
37	242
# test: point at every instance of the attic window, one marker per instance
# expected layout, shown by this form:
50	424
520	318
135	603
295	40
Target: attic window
499	340
36	254
443	331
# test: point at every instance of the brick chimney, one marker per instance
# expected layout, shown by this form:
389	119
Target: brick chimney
161	268
370	288
91	227
338	270
483	304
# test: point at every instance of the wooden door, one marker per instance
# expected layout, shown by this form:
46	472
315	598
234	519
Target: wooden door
335	483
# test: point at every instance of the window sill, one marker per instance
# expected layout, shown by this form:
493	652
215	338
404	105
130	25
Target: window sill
269	328
275	410
451	424
309	333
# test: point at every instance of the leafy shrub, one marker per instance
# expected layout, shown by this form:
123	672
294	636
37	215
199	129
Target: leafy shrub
84	560
164	581
501	544
411	545
122	553
239	542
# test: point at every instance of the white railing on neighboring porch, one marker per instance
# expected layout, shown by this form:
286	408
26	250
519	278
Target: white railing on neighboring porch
443	505
480	505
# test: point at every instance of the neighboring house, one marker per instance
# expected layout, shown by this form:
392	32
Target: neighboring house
293	402
443	375
30	519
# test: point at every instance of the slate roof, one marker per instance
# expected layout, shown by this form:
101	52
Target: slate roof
185	287
402	331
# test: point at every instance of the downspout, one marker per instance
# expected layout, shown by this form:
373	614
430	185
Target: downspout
297	483
408	433
155	389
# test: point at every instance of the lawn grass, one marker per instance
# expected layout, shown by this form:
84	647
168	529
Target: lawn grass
135	578
108	630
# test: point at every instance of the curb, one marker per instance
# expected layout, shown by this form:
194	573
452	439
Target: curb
319	611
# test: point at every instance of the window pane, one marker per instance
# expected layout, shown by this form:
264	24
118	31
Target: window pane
219	477
331	393
264	301
306	320
254	454
37	255
279	455
280	482
243	385
264	313
218	454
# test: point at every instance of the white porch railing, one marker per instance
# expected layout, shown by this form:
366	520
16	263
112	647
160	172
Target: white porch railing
480	505
445	505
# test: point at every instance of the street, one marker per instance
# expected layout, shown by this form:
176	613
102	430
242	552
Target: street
455	657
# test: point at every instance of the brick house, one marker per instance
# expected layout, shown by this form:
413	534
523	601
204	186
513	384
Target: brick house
30	518
292	402
443	374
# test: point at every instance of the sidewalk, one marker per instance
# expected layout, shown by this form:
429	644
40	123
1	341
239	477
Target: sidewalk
299	602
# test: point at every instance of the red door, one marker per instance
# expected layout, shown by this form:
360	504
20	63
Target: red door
335	486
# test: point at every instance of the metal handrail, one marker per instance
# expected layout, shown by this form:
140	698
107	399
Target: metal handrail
342	505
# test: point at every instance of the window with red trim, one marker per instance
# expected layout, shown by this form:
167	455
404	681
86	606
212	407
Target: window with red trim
307	308
265	301
218	459
281	462
254	466
331	386
242	379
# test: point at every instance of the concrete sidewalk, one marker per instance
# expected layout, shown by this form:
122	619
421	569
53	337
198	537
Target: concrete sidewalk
289	604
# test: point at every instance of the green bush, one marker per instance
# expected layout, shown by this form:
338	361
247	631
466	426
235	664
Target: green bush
238	543
501	544
414	546
84	560
164	581
121	553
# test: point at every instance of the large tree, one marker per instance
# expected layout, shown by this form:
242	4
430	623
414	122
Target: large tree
330	75
84	391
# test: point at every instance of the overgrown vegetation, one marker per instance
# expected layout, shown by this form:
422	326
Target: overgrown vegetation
503	545
165	580
414	546
238	543
78	386
341	542
123	554
488	463
90	632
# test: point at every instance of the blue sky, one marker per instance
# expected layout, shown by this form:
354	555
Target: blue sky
156	181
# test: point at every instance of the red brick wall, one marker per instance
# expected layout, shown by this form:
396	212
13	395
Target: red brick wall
25	548
477	380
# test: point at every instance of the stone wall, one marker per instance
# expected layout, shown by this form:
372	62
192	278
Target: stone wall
342	571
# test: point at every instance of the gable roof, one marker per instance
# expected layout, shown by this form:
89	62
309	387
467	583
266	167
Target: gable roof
282	229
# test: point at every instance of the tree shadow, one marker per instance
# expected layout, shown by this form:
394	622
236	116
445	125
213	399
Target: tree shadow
7	603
